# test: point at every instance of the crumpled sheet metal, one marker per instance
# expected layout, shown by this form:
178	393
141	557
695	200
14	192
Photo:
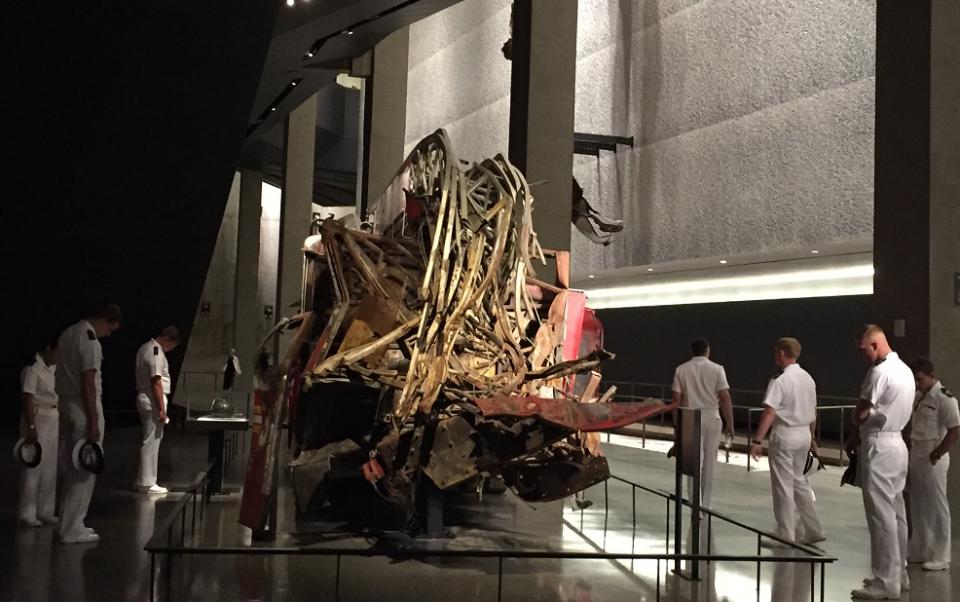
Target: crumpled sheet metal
585	417
462	309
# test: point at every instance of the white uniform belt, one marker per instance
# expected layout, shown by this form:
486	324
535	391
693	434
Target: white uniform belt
883	434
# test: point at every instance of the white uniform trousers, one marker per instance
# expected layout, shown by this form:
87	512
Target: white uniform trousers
929	509
78	484
149	442
38	485
793	501
883	474
710	427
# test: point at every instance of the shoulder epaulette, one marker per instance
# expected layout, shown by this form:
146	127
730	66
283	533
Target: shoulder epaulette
156	350
946	392
91	335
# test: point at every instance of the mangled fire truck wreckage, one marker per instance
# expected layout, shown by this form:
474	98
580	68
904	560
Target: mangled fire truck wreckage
428	350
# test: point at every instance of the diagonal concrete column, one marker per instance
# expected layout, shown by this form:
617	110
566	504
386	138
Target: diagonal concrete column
542	90
542	87
246	305
945	210
296	208
917	199
384	117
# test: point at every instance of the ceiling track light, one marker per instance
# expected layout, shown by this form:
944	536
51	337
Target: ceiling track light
270	110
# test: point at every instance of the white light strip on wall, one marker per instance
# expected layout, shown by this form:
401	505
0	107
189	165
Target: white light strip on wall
787	284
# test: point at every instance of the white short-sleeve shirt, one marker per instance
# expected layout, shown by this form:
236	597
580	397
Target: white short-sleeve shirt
934	413
78	350
151	362
699	380
39	380
890	389
793	396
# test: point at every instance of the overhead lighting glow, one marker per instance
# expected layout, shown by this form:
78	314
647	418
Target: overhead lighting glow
649	269
723	261
787	284
289	2
814	251
589	275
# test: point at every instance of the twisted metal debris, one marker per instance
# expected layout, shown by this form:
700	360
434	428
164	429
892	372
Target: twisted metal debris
428	346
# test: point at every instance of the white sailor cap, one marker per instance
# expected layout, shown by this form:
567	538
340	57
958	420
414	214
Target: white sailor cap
27	453
88	455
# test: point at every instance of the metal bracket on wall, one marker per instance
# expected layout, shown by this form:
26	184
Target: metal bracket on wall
592	144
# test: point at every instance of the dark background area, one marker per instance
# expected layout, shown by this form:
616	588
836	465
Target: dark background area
649	342
123	124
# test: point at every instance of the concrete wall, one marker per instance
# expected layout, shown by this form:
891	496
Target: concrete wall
458	79
212	333
212	329
753	121
753	125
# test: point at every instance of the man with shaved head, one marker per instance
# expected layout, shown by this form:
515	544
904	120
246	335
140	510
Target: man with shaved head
886	402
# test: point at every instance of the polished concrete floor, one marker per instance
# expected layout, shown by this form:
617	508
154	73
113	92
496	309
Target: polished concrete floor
117	568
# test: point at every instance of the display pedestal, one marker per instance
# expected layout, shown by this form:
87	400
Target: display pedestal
689	457
216	429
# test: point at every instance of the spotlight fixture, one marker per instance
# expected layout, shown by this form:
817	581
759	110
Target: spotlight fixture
814	251
723	262
649	269
348	32
294	83
589	275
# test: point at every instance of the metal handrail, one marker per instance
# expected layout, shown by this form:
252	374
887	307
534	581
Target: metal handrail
710	512
156	545
664	393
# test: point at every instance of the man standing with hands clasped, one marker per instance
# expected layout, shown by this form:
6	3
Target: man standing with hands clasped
790	408
886	400
934	429
153	386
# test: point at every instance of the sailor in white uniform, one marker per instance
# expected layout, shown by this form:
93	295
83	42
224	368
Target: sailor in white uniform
702	384
886	401
80	388
934	428
153	386
40	423
790	408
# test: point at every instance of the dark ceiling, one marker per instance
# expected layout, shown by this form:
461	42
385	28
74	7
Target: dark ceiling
334	32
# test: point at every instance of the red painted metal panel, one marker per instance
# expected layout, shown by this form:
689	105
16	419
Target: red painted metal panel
575	416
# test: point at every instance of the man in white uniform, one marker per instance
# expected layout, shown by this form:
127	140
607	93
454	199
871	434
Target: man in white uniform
153	386
79	387
40	423
790	407
702	384
886	401
934	428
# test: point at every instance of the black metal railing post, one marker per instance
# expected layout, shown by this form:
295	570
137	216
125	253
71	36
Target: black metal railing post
499	578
